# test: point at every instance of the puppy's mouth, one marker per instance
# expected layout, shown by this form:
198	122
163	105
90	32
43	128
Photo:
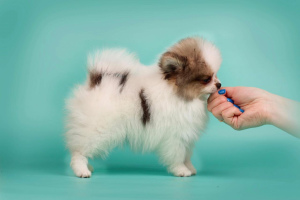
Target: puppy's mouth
213	91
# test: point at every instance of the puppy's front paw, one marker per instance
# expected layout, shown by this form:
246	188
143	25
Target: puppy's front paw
82	172
181	171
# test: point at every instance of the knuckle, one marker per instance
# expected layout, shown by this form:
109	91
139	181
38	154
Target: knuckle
215	112
209	107
224	113
228	104
223	98
220	100
236	126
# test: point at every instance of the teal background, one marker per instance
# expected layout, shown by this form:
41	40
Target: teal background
43	53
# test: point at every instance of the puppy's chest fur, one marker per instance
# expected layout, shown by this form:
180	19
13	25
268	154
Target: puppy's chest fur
177	118
167	110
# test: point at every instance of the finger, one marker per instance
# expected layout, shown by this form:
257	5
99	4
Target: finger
217	101
229	91
225	91
217	111
212	97
229	114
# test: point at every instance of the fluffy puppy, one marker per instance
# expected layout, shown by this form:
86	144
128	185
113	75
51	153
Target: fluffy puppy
160	108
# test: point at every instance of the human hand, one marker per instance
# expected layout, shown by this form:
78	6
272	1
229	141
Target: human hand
255	103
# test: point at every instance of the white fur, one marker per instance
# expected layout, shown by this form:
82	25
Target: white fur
105	61
213	58
211	54
102	118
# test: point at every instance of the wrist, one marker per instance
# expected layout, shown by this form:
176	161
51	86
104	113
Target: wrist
273	108
269	107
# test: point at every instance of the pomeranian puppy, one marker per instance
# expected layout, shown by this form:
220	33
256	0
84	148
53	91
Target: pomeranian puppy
160	108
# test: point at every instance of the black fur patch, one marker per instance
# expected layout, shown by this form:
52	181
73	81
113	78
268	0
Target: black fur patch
146	108
123	80
95	79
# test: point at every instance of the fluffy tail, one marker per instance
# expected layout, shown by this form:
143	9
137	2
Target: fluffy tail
113	61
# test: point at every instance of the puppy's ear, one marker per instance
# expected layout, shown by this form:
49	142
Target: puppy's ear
172	63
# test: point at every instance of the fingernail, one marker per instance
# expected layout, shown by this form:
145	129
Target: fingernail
222	91
230	100
236	106
242	110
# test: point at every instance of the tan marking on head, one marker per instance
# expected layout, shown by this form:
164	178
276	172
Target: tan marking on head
184	67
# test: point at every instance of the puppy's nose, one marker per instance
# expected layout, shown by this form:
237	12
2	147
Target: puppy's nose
218	85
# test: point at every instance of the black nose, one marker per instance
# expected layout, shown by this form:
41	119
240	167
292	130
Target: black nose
218	85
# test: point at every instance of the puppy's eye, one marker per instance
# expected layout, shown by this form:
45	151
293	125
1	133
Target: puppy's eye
206	81
203	79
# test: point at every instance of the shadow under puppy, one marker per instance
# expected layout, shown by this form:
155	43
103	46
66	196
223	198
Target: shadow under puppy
159	108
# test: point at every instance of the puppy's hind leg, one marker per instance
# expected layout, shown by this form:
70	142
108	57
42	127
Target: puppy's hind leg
80	166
